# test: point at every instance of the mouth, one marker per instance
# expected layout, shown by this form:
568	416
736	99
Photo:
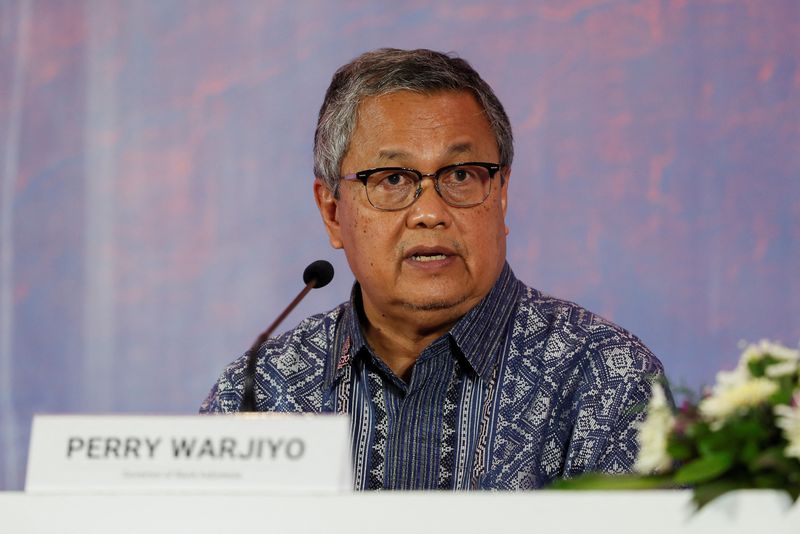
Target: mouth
422	254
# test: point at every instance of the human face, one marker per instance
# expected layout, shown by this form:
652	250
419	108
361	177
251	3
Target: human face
430	261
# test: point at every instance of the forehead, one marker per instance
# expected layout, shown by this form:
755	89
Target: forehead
420	125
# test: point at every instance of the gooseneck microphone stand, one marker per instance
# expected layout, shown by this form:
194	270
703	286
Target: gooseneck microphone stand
317	274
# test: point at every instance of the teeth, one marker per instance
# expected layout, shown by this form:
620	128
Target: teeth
431	257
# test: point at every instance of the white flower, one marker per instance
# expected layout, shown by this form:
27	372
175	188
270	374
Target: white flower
788	419
732	379
737	390
654	433
777	370
778	351
788	359
731	396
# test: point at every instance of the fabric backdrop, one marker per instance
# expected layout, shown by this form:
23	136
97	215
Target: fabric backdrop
155	178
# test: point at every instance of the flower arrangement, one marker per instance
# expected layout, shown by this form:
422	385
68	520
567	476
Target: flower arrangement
743	433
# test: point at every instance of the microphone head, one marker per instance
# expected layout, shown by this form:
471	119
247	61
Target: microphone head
320	273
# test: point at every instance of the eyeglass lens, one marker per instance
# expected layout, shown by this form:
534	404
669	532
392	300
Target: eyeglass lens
465	185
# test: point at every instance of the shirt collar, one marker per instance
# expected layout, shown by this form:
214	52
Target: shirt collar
477	334
480	332
350	339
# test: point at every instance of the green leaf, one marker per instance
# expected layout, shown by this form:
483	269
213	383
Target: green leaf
756	368
704	469
774	460
720	442
749	428
698	430
785	391
769	481
679	450
749	452
705	493
601	481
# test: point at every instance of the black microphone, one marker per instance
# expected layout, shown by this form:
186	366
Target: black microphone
317	274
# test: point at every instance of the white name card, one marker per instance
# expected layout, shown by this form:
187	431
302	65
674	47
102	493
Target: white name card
198	454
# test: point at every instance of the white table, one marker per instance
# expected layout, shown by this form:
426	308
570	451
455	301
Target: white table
642	512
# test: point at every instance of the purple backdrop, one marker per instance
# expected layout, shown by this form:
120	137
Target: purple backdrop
155	165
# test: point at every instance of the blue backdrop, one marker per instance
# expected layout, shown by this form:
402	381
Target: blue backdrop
155	174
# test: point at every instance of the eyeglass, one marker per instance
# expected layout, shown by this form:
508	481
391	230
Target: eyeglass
461	185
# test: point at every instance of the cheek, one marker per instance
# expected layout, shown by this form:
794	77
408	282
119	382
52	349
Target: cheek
364	235
351	218
485	235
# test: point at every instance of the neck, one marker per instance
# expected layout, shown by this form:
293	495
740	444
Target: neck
399	340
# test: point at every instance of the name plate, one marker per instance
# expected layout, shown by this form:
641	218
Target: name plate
198	454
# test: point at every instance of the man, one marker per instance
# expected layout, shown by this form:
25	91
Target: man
454	373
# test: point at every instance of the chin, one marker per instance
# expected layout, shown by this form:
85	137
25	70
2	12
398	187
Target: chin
433	304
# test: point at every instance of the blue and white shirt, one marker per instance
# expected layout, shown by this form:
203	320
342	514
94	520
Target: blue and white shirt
524	389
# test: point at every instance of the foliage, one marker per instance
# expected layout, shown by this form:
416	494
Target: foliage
743	433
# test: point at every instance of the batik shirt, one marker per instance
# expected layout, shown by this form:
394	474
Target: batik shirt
524	389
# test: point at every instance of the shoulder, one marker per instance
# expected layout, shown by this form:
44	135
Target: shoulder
299	351
573	383
312	337
573	339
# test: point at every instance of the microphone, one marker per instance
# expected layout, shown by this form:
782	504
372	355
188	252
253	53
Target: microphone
317	274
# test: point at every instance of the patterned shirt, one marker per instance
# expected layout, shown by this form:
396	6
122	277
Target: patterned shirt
524	389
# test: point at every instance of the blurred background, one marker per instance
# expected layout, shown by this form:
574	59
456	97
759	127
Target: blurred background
156	207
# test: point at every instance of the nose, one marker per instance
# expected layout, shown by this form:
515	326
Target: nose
429	210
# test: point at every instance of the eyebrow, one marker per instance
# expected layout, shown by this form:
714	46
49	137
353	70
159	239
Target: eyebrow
389	155
394	155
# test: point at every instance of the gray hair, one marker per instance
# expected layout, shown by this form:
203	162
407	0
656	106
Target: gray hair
389	70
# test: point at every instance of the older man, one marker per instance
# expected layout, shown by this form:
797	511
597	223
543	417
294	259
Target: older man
454	373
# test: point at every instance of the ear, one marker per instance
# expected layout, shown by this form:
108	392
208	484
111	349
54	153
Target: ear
328	208
504	194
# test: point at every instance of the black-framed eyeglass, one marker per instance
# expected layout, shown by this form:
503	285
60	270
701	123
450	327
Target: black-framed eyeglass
461	185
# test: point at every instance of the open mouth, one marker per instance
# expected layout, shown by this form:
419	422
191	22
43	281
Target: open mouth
429	254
